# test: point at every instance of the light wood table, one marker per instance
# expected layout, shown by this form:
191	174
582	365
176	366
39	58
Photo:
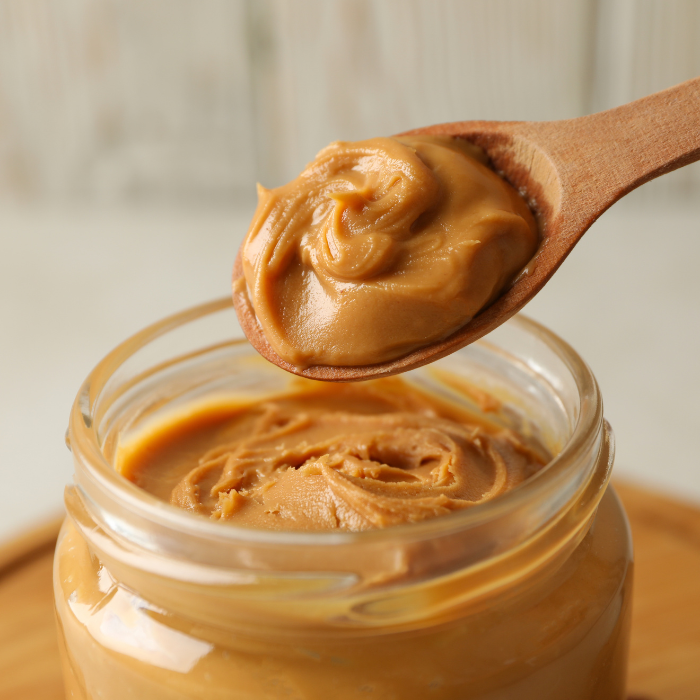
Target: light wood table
665	652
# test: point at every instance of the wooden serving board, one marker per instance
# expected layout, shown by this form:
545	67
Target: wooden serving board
665	653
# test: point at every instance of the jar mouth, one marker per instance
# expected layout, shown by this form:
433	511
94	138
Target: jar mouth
95	473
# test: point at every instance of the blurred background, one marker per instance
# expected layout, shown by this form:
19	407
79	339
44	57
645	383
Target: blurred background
132	133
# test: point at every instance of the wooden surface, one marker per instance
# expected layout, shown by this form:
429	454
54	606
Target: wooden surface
665	653
29	664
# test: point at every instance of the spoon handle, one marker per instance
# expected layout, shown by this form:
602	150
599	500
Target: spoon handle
602	157
574	169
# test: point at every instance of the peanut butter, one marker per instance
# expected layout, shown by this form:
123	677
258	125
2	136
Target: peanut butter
325	457
381	247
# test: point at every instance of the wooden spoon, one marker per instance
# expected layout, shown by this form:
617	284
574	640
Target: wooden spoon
570	171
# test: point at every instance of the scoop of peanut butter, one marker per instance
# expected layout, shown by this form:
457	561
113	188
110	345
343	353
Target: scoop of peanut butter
381	247
348	457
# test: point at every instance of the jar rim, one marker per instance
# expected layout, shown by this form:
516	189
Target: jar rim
85	444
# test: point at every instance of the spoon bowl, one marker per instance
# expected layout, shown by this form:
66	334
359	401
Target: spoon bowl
569	171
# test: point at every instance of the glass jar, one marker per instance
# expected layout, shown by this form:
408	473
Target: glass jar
526	597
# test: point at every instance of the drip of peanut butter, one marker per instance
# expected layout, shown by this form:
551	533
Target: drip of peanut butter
381	247
326	457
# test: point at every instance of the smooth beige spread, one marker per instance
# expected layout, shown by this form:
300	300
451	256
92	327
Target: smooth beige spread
321	457
381	247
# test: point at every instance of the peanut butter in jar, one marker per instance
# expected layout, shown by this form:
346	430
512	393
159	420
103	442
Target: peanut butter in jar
523	595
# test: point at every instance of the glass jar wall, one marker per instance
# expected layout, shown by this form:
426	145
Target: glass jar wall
523	597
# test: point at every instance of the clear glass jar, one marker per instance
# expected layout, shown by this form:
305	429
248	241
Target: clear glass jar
526	597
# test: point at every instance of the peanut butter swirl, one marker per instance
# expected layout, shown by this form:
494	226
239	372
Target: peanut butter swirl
380	247
342	457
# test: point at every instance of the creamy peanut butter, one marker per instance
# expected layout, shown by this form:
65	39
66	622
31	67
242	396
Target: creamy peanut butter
381	247
324	457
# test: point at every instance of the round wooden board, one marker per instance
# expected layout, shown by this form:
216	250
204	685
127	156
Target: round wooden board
665	653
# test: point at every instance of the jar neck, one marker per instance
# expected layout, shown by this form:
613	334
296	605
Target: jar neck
353	582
